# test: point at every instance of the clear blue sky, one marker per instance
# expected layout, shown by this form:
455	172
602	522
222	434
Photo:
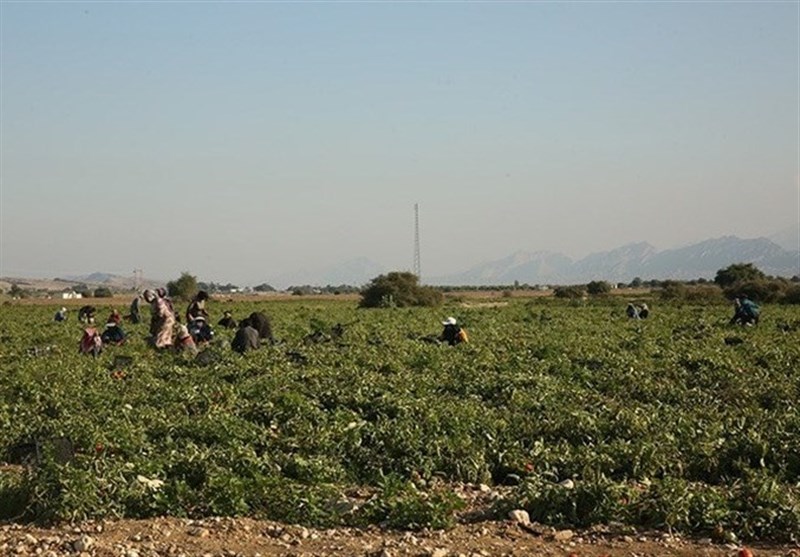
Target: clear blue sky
240	141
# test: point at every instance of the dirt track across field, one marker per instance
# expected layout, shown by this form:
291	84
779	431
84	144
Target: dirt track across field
243	537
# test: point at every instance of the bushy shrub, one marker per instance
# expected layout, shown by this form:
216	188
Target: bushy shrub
569	292
764	290
791	295
103	292
185	287
738	272
598	287
704	294
673	290
398	289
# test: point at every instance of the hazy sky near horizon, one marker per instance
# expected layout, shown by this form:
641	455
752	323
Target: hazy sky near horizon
241	141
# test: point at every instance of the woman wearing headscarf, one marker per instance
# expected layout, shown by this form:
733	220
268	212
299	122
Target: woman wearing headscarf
162	318
197	307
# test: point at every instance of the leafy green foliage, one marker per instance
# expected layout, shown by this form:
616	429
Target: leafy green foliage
598	287
184	287
738	272
569	292
398	289
658	422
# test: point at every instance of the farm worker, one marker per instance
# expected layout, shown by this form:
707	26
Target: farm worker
260	322
197	307
162	318
113	333
746	311
246	338
185	342
632	312
135	317
452	333
86	314
91	342
61	315
227	321
200	330
644	311
114	318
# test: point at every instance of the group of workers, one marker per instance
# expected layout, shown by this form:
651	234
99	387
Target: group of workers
167	331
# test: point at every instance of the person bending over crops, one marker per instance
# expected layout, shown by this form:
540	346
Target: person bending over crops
452	333
135	316
227	321
632	312
91	342
162	318
260	322
644	311
86	314
200	330
746	311
247	338
61	315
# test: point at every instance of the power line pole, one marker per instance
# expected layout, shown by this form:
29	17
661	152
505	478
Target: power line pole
137	279
417	269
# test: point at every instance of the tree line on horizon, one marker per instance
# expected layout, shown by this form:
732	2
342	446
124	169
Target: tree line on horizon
403	289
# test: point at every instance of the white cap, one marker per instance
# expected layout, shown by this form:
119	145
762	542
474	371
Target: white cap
449	321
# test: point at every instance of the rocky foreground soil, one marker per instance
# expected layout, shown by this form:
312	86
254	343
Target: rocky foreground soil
228	537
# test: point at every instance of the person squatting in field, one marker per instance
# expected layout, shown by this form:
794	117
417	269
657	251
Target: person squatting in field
162	318
113	333
227	321
197	319
746	311
260	322
452	333
61	315
246	338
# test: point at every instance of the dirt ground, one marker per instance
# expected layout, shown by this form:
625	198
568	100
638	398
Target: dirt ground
227	537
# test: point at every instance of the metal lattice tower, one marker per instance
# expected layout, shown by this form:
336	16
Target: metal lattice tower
137	279
417	270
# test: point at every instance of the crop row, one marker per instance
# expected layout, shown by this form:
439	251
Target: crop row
679	421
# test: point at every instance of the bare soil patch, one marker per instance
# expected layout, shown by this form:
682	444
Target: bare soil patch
229	537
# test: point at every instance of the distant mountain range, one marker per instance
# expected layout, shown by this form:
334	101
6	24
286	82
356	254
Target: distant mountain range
116	283
623	264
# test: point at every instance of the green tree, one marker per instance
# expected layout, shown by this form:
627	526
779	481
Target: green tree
398	289
738	272
103	292
185	287
598	287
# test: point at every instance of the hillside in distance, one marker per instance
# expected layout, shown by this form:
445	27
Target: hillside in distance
623	264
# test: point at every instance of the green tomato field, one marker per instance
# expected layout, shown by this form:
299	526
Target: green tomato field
680	421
